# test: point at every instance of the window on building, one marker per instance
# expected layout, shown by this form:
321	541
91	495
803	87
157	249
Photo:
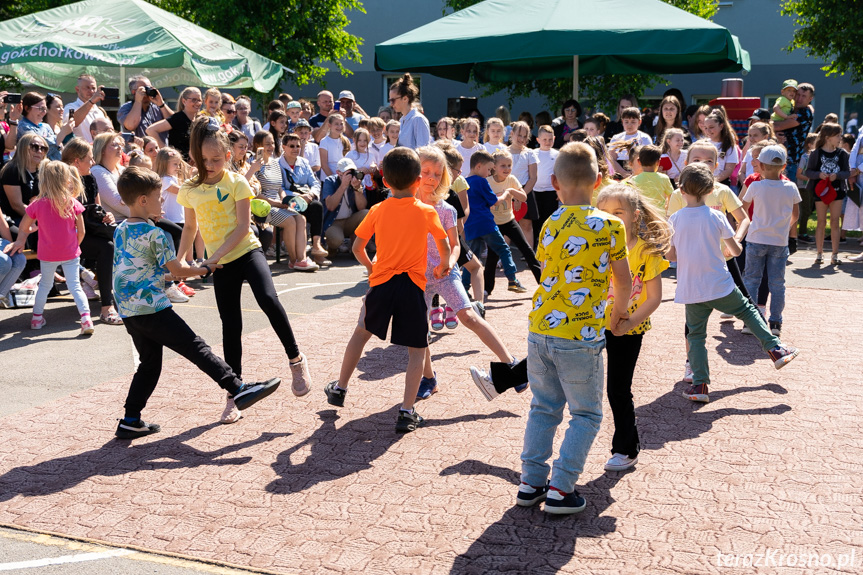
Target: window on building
702	99
851	109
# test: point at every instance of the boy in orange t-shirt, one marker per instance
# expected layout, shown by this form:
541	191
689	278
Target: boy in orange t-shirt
400	225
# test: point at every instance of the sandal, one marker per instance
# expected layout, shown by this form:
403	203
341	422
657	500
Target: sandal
819	258
113	318
834	260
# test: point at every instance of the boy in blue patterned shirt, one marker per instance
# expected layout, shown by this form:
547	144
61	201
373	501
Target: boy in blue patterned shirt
142	253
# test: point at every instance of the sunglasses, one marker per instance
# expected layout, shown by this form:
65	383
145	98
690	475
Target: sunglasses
394	100
230	111
293	146
38	147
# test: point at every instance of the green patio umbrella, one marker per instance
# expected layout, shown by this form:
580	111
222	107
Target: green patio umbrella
116	39
508	40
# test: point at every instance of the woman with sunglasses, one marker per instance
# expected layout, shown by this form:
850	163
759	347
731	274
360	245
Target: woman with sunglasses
58	131
33	111
415	131
178	125
229	111
20	177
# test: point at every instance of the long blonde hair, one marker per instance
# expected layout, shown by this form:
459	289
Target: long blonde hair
163	159
668	134
434	154
346	144
649	224
494	122
59	184
22	154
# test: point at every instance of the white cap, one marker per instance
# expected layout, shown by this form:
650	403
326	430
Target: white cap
773	155
345	164
347	95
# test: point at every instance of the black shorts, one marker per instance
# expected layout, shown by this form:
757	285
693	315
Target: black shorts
532	211
464	254
402	300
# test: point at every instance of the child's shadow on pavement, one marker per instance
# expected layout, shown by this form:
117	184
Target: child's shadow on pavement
526	539
354	447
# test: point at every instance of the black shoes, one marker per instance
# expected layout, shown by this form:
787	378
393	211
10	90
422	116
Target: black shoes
136	429
408	421
252	393
335	396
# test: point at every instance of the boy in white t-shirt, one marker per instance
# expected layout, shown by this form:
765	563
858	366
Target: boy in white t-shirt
619	144
777	207
543	192
704	282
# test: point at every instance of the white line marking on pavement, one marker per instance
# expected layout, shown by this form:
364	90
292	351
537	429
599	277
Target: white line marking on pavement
78	558
311	285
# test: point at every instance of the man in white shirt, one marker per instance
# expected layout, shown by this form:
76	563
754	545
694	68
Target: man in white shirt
85	109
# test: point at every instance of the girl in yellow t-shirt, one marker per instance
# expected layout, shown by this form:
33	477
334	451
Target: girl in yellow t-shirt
647	235
218	201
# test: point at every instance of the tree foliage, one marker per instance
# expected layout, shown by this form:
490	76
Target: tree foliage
299	34
831	30
604	91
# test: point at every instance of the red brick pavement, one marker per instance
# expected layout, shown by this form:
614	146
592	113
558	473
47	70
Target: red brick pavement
773	462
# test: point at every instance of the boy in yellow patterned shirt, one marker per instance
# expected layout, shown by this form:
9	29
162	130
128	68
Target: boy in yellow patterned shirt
579	245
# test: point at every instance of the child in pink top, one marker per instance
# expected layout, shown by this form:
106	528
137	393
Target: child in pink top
61	229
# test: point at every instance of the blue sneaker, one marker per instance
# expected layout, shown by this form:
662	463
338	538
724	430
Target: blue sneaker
521	387
559	503
428	386
528	496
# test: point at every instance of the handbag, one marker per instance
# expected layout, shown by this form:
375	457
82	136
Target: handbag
855	194
94	224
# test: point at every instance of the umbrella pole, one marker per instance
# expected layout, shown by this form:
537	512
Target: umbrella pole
122	85
575	77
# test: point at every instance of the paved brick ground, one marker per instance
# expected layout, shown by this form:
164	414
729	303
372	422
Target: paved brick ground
773	462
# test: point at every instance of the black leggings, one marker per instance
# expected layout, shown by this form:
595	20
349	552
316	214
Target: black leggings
101	250
172	229
314	214
228	285
546	204
622	356
512	230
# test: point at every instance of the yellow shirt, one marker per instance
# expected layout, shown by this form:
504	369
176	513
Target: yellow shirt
577	245
215	207
502	212
656	187
643	266
459	185
722	199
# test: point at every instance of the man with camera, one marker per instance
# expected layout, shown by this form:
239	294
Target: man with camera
345	202
146	108
85	110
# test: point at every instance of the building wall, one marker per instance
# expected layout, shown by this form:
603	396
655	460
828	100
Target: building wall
761	29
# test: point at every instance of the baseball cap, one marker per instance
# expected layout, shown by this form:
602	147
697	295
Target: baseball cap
789	84
303	123
293	104
760	114
345	164
348	95
773	155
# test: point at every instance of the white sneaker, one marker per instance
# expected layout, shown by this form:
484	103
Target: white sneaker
687	373
484	383
231	413
726	316
88	291
89	278
175	295
619	462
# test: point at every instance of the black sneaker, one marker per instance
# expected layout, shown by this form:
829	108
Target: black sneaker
806	239
528	495
408	421
252	393
776	328
479	308
135	430
335	396
558	503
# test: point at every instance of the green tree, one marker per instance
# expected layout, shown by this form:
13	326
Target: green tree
299	34
604	91
831	31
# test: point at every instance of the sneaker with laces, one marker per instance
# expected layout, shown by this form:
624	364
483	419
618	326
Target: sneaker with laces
187	291
87	326
301	378
252	393
175	295
559	503
335	396
776	327
37	323
428	386
408	421
89	292
687	373
620	462
436	316
231	414
697	393
484	383
306	265
135	429
782	354
528	495
515	286
450	320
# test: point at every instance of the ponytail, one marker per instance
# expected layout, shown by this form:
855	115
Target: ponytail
205	129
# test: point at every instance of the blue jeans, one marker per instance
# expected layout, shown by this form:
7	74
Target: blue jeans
495	243
775	258
10	268
561	372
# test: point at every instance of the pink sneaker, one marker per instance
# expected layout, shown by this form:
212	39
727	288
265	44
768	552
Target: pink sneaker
436	317
87	326
451	320
231	414
37	323
306	265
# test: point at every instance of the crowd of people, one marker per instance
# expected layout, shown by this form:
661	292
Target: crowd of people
598	209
